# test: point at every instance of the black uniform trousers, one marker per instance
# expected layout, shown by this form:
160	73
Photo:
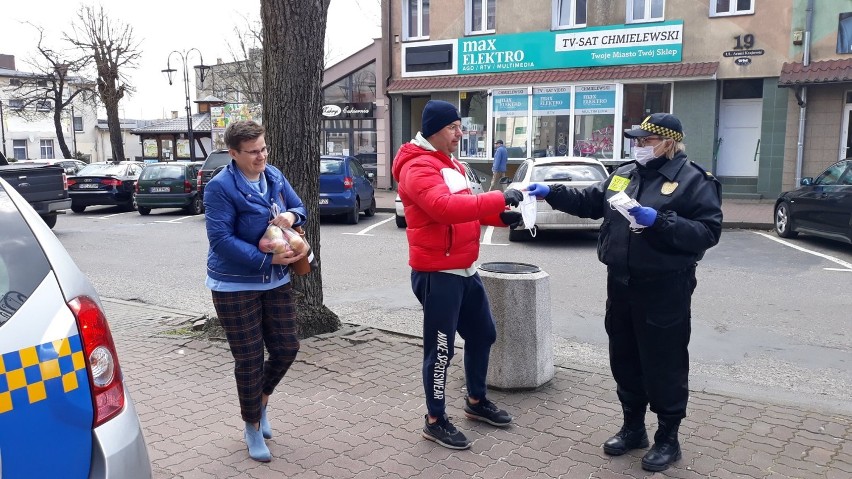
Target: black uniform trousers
648	324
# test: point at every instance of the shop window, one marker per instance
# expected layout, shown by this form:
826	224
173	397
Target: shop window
569	14
337	92
742	89
594	121
473	106
46	149
19	149
480	16
639	11
415	21
640	100
358	87
511	108
719	8
551	121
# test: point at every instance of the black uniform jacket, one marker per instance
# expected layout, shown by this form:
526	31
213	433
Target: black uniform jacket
689	220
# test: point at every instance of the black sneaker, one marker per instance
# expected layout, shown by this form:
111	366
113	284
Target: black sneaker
486	411
445	434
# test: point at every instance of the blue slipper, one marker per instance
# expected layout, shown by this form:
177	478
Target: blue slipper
256	445
265	428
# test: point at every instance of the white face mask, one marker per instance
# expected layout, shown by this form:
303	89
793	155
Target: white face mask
529	208
643	154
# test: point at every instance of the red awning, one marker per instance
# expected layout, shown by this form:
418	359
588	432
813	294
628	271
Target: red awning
706	70
827	71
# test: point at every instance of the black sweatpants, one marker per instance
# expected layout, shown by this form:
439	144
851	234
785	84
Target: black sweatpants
648	324
453	303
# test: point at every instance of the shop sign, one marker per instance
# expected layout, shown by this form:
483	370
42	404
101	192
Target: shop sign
513	102
348	110
594	100
593	46
551	101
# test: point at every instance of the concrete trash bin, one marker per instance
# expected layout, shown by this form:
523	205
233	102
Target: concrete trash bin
522	356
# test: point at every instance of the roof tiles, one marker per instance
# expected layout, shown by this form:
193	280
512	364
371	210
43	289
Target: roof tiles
573	75
827	71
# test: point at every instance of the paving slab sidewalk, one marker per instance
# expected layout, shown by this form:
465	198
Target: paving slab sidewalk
351	407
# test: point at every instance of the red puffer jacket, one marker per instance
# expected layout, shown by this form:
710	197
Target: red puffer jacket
443	215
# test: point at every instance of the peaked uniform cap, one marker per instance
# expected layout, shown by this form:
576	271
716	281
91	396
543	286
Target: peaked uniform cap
662	124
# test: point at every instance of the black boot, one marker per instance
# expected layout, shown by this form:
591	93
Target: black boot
666	448
632	434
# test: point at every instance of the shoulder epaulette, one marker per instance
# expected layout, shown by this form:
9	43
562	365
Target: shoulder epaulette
707	174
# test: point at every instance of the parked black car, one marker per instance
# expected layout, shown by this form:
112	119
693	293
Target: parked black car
105	184
169	185
821	207
216	159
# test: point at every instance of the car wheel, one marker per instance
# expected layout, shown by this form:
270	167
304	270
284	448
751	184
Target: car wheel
131	205
371	211
197	206
353	216
519	234
400	222
77	208
143	210
783	221
49	220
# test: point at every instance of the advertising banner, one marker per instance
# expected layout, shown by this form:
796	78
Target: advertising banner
514	102
586	47
551	101
594	100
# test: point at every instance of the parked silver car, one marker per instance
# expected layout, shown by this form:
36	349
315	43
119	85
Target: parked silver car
64	408
575	172
473	178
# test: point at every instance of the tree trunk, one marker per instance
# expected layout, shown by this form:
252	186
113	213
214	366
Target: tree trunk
60	132
293	33
114	124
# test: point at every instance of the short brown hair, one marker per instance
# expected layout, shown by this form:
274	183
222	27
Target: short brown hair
240	131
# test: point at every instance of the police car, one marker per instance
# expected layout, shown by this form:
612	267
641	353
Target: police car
64	409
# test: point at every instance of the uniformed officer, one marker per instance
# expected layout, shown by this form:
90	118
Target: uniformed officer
651	276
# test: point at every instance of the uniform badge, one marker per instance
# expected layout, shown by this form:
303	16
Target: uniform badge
668	188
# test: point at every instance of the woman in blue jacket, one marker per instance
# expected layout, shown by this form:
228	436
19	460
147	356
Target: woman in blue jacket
251	289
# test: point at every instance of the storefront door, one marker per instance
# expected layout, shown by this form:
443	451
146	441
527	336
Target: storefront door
739	137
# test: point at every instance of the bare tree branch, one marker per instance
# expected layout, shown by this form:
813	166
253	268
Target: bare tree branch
110	44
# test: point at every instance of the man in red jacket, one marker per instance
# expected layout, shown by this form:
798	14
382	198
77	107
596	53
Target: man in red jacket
444	220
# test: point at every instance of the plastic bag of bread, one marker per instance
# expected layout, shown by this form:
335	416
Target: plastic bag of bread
274	241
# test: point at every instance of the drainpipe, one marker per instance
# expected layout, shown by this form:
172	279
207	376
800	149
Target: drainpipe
802	95
388	75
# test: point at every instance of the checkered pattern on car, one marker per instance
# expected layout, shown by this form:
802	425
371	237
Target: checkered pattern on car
37	372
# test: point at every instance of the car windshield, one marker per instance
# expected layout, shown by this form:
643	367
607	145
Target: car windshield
216	160
567	172
170	172
331	166
103	169
23	265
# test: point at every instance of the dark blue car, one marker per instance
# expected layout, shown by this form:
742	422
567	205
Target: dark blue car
821	206
345	188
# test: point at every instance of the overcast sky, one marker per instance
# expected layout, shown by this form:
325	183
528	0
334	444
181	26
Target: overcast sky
162	26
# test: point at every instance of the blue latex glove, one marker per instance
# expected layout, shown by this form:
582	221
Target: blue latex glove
644	215
537	189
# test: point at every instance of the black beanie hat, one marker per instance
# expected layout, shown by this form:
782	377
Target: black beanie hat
436	115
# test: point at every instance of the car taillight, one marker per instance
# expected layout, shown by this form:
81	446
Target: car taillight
65	181
187	187
111	182
70	182
347	183
101	359
198	179
136	186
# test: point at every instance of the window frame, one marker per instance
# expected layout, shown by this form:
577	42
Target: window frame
19	145
44	106
557	6
468	18
46	149
405	21
648	9
732	11
77	120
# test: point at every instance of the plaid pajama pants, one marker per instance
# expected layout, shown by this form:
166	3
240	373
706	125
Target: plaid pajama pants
250	320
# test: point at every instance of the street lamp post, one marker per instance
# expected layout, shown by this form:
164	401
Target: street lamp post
202	72
3	127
